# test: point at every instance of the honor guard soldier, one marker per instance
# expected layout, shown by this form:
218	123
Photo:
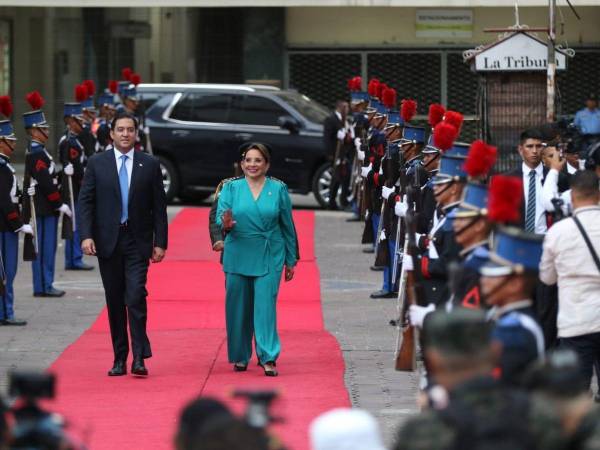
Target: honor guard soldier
11	222
131	103
85	136
72	157
359	102
472	227
106	103
471	408
508	279
42	183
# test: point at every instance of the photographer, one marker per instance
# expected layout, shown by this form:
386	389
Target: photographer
570	257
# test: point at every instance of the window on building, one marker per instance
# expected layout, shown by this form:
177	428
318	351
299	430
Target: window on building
5	57
201	107
254	110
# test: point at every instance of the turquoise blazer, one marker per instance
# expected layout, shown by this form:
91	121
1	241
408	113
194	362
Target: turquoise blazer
263	238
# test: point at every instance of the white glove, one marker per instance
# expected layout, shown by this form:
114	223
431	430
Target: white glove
360	154
68	170
31	190
417	314
26	228
64	208
387	191
357	143
407	263
401	208
364	171
341	134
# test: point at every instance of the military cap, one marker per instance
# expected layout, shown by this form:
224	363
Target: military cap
35	118
474	201
461	331
6	130
451	169
72	110
106	98
515	251
430	147
412	135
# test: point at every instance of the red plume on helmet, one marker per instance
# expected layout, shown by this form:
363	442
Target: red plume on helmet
91	87
35	100
505	197
436	114
135	79
389	98
481	159
355	84
444	135
408	109
81	93
126	73
113	86
454	118
382	87
6	106
373	87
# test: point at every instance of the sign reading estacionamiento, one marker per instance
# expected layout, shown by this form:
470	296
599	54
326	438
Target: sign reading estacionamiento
444	23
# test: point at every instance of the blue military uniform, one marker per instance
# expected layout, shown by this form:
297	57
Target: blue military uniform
10	224
40	167
103	140
72	151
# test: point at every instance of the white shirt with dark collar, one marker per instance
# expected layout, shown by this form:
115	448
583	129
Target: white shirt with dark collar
128	163
540	212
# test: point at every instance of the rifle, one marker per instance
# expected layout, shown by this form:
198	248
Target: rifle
403	183
406	352
68	223
2	279
382	254
30	242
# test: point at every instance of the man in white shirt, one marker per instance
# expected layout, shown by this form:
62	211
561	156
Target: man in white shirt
568	260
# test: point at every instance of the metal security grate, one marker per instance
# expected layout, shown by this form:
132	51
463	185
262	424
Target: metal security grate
579	80
413	75
462	85
323	76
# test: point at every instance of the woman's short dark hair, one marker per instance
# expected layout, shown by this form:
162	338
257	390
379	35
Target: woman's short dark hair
123	115
261	148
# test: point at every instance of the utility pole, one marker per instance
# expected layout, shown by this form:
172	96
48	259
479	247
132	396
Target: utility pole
551	78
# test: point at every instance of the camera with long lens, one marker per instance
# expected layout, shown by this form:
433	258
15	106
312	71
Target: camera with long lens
34	428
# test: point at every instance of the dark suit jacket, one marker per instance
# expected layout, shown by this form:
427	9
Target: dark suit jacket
331	126
100	199
563	185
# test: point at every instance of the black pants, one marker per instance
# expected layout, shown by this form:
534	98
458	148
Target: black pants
339	176
546	308
587	347
124	276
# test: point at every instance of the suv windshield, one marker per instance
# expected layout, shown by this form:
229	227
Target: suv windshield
313	111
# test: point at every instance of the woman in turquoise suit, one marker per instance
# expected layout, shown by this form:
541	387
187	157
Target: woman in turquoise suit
256	213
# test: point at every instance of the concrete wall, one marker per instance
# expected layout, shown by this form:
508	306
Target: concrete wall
395	26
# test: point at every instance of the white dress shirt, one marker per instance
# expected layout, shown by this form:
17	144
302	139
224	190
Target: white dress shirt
540	212
128	163
567	260
550	192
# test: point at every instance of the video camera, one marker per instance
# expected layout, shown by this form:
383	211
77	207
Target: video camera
35	428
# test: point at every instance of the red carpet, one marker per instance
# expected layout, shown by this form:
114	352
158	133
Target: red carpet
186	328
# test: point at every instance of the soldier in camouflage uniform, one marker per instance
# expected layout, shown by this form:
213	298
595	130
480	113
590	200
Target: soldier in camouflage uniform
472	409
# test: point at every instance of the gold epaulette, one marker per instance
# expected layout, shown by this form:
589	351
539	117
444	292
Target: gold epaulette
226	180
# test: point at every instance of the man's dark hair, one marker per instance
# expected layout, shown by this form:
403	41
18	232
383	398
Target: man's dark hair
585	183
197	416
123	115
233	434
339	103
531	133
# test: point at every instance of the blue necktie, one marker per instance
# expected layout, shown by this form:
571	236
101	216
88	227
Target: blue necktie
531	201
124	184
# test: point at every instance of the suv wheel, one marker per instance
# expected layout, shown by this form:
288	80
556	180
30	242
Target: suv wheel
320	184
170	178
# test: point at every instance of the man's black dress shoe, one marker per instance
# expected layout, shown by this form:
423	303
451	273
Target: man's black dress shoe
377	268
50	293
13	322
368	250
118	369
138	367
82	267
383	294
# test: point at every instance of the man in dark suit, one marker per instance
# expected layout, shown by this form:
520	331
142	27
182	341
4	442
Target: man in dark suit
337	133
123	221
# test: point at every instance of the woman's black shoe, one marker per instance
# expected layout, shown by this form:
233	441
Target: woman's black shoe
240	367
269	372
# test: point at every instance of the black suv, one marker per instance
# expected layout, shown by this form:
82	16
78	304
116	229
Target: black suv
197	129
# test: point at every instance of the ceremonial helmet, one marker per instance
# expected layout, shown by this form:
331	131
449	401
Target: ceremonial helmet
7	131
35	118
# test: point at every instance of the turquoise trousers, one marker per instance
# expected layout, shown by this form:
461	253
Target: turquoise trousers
250	310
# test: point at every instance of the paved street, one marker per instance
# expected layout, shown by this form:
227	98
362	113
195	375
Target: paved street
358	322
